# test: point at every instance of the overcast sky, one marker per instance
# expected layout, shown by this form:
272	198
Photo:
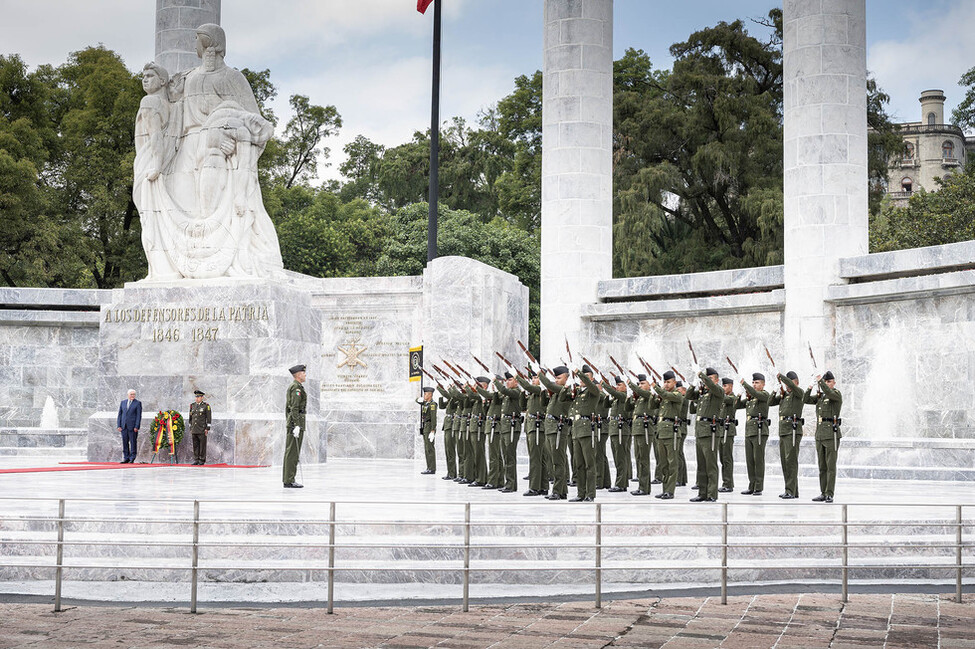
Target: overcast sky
371	58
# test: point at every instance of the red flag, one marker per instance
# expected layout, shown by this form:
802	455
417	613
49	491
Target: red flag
421	5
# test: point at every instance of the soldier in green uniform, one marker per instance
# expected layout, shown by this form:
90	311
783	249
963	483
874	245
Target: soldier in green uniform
620	420
790	399
727	431
668	432
645	420
462	431
449	405
513	404
684	421
585	402
539	455
756	405
294	423
603	478
558	429
478	431
492	406
828	402
428	426
199	420
707	402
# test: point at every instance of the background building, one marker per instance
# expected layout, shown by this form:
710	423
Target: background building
934	150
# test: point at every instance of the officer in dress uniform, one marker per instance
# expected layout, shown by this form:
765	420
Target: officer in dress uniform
828	402
428	426
200	419
294	417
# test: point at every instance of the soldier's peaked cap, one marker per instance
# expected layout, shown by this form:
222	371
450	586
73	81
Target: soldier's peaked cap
758	376
669	375
531	372
560	370
483	379
618	379
641	377
199	393
727	381
297	368
428	389
792	375
507	375
828	376
710	371
680	384
586	369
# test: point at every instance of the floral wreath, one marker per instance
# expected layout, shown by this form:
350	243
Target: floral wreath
167	427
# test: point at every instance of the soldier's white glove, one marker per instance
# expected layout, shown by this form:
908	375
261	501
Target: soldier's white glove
296	431
430	438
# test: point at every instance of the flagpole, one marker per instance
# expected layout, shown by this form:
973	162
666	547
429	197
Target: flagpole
434	194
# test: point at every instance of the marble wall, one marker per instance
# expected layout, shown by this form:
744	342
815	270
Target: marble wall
48	347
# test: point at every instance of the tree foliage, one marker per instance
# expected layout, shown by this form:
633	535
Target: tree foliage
930	218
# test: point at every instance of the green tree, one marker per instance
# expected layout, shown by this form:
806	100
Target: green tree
322	236
465	234
301	148
930	218
94	188
964	113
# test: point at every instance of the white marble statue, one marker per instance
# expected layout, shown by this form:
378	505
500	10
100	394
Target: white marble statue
198	137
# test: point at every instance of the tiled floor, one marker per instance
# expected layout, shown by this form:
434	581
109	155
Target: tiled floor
758	622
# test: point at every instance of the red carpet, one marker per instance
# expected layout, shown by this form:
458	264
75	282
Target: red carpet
98	466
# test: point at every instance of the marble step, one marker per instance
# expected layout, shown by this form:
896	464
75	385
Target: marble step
45	454
44	437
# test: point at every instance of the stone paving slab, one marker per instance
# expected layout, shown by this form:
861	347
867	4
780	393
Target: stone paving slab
902	621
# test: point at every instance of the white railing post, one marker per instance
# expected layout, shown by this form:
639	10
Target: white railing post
599	555
196	554
958	554
846	557
331	556
724	553
467	555
60	558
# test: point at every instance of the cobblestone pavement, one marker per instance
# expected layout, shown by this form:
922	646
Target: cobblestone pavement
746	622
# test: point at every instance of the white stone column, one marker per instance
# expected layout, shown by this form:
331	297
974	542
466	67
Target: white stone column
577	136
825	139
176	23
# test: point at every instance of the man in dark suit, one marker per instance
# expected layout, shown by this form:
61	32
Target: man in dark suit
129	420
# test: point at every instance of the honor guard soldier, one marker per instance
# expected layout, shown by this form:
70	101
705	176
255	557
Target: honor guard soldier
539	455
294	417
513	404
558	429
492	410
645	422
684	421
478	428
707	402
585	403
200	419
727	431
668	432
603	478
428	426
462	431
790	399
449	405
756	402
620	420
828	402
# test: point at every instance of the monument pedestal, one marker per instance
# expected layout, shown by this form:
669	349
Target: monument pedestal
232	339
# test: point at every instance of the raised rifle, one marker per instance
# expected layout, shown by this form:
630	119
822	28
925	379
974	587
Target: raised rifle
510	364
485	367
650	369
691	347
678	373
772	361
567	350
732	365
618	366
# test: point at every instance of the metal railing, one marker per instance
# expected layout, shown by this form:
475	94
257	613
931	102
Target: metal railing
596	522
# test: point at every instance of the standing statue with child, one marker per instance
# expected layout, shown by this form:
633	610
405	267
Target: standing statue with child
198	137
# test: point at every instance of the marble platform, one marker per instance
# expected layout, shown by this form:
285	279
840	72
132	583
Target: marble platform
400	535
233	339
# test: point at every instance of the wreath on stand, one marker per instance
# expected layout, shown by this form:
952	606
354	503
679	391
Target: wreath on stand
167	430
